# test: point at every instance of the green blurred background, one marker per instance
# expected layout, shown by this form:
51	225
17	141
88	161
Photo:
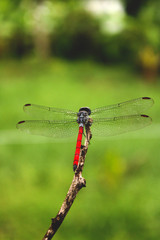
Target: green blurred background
69	54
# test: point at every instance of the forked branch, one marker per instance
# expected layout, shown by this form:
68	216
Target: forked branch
77	183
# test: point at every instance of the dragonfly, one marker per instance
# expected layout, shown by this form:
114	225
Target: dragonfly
106	121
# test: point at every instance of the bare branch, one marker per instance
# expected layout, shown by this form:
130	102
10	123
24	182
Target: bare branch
77	183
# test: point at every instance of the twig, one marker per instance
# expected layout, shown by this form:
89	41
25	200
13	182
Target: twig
76	185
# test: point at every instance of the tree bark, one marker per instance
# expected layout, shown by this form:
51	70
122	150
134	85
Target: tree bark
78	182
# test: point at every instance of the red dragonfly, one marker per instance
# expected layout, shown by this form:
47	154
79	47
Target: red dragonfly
107	121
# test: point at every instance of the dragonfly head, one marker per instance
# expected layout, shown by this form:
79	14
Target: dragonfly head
85	109
83	114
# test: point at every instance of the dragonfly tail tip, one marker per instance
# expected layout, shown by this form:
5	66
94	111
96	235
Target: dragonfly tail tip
74	167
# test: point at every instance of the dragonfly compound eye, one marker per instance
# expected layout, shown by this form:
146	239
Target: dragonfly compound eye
86	109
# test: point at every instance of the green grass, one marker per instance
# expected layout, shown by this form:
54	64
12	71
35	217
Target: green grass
122	197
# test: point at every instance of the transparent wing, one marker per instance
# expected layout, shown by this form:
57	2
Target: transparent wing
48	128
113	126
132	107
48	113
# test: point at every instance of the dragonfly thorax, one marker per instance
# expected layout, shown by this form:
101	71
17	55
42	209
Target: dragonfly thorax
83	115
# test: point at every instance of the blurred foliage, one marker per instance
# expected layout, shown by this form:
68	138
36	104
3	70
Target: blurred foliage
66	29
133	7
122	173
77	36
113	170
149	63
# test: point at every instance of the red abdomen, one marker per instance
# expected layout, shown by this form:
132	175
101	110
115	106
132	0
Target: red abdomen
78	148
